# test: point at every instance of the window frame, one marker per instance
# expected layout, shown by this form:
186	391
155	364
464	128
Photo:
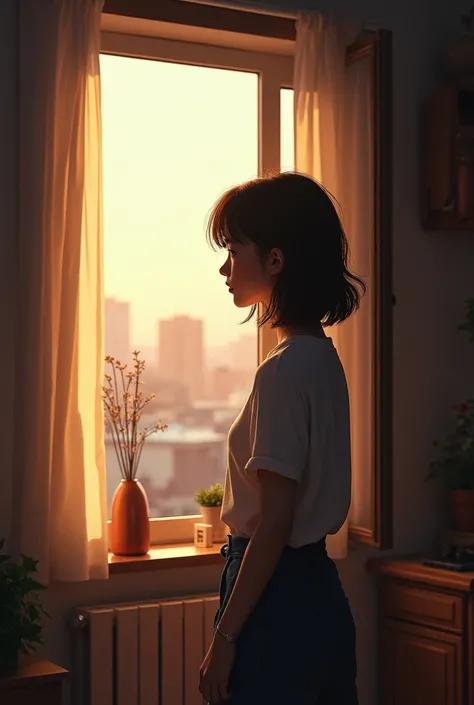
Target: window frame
275	71
376	47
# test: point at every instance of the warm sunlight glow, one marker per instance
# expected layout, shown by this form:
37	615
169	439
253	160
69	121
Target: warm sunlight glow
174	138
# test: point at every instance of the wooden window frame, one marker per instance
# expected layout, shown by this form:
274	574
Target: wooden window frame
376	47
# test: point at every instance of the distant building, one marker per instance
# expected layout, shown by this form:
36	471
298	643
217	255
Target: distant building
224	381
117	330
181	353
216	414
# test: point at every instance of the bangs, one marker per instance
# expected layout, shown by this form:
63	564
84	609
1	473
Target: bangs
222	227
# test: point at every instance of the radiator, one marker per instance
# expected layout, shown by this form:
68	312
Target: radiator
145	653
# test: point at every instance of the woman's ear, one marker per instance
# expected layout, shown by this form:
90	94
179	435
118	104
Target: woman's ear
275	261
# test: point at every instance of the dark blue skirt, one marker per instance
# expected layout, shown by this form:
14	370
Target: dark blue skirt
298	645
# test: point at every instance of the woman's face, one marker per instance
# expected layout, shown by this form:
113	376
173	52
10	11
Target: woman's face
250	280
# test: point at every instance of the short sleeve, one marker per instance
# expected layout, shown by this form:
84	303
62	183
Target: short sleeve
279	421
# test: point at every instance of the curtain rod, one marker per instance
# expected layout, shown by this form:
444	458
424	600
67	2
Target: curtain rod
256	7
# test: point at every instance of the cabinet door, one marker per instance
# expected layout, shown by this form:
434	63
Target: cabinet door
419	666
39	694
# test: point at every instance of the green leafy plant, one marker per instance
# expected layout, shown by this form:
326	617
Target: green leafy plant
468	323
212	497
21	611
455	467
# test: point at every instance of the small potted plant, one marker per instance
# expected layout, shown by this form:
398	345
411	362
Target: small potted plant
124	403
21	611
210	502
455	468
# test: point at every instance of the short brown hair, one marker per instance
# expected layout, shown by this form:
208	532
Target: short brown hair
294	213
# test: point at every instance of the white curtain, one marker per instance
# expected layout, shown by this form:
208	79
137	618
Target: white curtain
333	144
60	514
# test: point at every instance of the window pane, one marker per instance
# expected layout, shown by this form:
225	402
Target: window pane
174	138
287	132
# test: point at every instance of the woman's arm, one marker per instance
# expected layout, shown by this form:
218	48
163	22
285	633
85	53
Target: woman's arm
279	452
277	502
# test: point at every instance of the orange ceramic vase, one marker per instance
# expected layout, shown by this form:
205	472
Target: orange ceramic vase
130	531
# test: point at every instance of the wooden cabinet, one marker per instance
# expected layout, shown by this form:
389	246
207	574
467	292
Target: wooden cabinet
35	683
419	665
426	634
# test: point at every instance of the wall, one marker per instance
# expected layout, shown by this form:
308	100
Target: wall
432	277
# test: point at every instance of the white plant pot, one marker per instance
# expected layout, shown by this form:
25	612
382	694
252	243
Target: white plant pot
212	515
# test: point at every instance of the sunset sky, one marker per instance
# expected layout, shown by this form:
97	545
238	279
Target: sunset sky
174	138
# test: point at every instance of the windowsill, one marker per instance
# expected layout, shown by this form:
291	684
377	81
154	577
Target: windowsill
182	555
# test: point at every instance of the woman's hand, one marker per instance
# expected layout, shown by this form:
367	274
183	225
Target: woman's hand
216	669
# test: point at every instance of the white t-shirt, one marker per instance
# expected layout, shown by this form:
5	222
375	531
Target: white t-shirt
296	423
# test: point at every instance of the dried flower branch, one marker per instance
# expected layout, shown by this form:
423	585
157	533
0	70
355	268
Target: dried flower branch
123	406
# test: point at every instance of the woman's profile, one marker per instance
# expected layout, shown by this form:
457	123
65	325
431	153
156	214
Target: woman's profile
284	633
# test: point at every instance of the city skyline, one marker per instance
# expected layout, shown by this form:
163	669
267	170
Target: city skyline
199	396
119	342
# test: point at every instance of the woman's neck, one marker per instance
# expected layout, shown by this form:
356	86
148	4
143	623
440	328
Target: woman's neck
285	332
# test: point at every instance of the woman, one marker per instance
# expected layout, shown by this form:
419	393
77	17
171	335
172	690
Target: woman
284	631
